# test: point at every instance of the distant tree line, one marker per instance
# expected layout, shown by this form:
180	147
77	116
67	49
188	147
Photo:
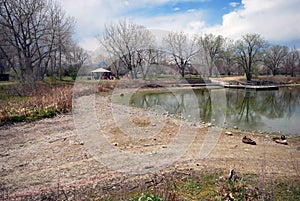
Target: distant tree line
132	48
36	39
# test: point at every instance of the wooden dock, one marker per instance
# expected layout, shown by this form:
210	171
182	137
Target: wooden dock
252	87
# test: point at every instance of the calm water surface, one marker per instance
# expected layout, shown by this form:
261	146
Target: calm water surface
269	111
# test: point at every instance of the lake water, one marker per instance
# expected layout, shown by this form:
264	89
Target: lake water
267	111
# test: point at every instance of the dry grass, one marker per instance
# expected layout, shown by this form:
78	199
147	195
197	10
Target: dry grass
42	100
24	104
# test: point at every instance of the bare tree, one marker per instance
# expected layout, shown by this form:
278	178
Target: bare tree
31	33
226	57
182	48
212	46
124	40
248	51
7	53
61	28
273	57
292	62
148	59
75	57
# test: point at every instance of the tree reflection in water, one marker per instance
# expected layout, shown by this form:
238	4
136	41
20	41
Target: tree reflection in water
246	109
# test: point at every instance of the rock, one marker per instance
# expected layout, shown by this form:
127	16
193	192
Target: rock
81	143
209	125
115	144
228	133
164	146
235	127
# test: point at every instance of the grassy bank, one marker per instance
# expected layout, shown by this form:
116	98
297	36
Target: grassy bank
19	103
28	103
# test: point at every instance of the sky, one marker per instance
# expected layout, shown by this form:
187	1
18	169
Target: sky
278	21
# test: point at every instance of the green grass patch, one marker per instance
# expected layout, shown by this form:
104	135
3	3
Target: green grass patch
215	186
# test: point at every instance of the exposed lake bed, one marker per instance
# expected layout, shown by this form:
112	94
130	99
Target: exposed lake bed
38	157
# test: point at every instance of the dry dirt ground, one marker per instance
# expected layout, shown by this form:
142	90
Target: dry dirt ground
39	156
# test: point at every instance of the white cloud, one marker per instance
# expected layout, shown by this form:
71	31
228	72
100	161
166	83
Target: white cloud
191	21
234	4
276	20
89	43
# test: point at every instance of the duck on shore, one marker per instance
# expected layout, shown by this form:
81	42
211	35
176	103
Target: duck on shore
280	140
248	140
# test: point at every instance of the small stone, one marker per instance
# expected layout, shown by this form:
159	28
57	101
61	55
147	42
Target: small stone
153	124
81	143
209	124
115	144
235	127
228	133
164	146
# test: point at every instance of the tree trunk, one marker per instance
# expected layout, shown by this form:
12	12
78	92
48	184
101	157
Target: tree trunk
60	69
210	70
182	72
248	76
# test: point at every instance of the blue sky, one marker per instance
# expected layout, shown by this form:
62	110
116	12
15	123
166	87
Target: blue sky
213	10
276	20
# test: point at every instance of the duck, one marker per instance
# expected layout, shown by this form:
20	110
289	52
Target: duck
280	140
248	140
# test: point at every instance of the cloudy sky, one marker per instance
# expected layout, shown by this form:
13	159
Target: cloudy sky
278	21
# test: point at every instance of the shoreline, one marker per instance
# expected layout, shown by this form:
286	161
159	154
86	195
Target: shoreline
38	156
